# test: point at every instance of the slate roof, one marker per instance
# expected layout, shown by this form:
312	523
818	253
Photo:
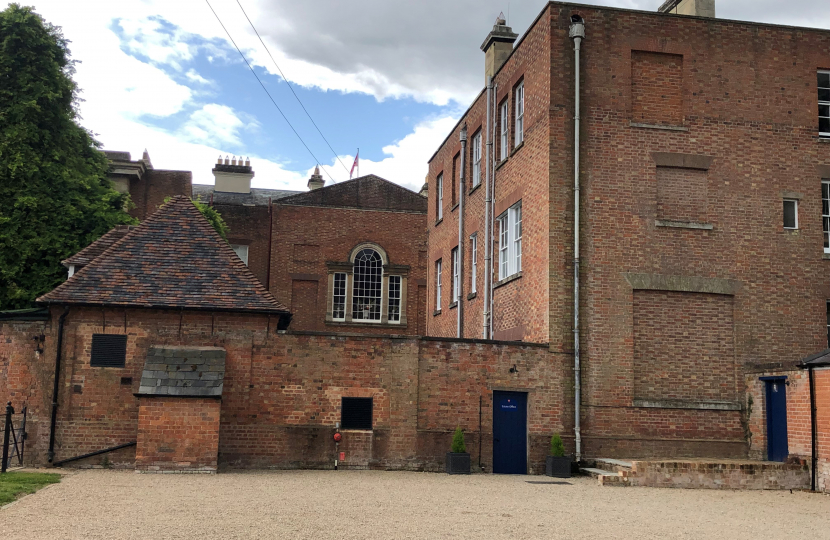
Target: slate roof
257	196
183	372
92	251
364	192
174	259
817	360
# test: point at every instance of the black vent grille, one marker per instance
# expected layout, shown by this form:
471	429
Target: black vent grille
356	413
108	350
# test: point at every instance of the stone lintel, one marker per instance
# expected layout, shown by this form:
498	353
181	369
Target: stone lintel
657	282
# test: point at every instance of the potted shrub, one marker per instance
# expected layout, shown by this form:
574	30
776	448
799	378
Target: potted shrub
557	465
458	460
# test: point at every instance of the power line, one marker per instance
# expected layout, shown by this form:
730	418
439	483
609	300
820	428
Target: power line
266	90
290	86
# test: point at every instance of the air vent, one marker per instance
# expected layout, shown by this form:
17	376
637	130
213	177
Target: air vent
108	350
356	413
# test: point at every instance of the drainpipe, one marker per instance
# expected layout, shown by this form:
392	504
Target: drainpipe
492	209
577	32
270	232
56	387
813	429
459	304
488	197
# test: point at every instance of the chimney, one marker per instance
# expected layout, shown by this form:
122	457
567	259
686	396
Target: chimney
699	8
497	47
233	177
316	181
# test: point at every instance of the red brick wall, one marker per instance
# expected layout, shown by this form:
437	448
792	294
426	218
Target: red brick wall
306	237
179	434
682	195
521	306
248	225
656	88
155	185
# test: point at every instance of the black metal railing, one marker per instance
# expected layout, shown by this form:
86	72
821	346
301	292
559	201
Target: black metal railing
14	437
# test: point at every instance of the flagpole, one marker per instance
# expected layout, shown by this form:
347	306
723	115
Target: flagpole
358	162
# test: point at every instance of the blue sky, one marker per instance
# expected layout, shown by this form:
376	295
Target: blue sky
391	77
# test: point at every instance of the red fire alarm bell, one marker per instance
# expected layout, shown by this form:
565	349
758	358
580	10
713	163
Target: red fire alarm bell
337	437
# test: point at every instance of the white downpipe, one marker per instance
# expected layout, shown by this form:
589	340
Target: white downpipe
488	242
459	304
577	32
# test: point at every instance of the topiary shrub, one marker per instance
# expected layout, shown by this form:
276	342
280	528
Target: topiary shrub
557	449
458	446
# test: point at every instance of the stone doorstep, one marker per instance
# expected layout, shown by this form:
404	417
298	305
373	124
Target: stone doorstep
606	478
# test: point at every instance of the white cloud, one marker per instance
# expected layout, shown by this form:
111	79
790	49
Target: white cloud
217	125
193	75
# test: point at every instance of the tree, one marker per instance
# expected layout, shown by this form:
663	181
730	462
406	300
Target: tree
55	197
214	217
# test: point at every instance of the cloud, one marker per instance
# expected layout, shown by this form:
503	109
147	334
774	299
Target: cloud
216	125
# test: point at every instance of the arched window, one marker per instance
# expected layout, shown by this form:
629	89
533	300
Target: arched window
367	288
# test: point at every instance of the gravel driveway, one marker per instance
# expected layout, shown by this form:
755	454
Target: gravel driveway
386	505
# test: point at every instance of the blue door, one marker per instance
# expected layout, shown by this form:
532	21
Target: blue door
510	432
777	449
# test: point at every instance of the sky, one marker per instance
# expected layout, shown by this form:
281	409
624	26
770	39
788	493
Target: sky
390	77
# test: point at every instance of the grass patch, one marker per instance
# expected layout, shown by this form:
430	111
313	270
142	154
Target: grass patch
15	484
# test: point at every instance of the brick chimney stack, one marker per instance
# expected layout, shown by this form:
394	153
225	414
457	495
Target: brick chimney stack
316	181
497	47
233	176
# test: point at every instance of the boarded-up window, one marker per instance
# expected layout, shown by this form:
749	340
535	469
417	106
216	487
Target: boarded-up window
108	350
356	413
304	306
656	88
682	194
306	253
683	346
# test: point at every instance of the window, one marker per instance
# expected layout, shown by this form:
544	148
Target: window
520	113
505	130
476	159
241	252
356	413
394	299
473	262
454	276
825	213
440	202
366	294
338	312
824	103
510	241
438	285
108	350
790	214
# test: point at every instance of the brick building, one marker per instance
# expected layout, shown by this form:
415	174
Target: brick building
703	173
166	346
303	245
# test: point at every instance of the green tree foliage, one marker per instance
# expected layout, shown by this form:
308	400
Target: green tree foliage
55	198
557	449
458	446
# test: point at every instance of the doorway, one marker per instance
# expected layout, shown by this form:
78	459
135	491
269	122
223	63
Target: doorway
509	432
776	394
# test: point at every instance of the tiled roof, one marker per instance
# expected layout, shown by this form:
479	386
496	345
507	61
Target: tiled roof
257	196
817	360
365	192
183	372
86	255
174	259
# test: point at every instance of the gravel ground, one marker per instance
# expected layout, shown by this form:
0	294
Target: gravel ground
385	505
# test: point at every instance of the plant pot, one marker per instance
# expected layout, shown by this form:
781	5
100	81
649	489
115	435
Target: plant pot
558	467
458	463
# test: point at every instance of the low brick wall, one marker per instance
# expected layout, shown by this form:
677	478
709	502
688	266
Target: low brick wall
719	475
177	434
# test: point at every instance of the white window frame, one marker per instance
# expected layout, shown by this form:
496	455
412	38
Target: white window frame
795	205
473	262
397	296
505	130
520	113
825	213
241	251
455	276
510	241
477	159
823	104
334	295
438	285
440	196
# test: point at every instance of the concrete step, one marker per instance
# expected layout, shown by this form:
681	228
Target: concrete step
614	465
604	477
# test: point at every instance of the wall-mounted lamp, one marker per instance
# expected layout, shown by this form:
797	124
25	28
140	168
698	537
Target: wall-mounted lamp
513	369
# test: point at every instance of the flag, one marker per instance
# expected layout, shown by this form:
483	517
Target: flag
356	157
